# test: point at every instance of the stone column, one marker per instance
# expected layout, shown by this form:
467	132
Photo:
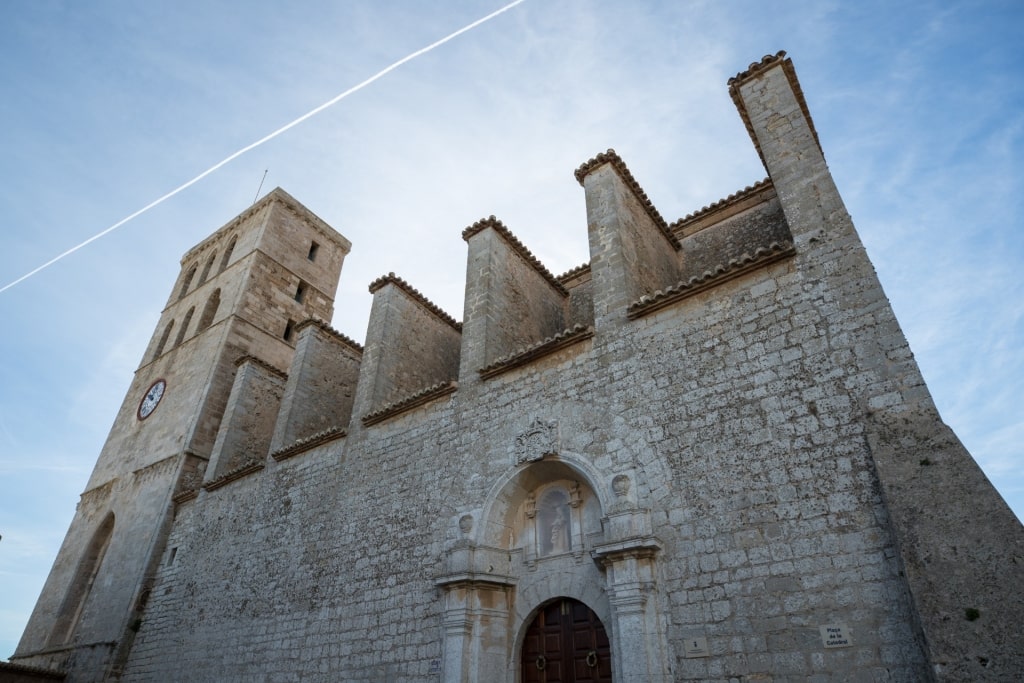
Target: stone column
638	640
477	603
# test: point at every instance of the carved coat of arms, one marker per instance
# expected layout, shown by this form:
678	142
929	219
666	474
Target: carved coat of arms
540	439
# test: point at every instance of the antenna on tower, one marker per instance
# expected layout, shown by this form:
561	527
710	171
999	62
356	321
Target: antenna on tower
261	186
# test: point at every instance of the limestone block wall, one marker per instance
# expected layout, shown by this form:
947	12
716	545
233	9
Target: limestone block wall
738	231
512	301
632	252
245	433
411	345
581	296
321	385
275	296
288	235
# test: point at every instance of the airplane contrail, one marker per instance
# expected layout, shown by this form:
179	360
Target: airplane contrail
313	112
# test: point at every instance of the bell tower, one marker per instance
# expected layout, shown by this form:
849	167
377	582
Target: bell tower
241	292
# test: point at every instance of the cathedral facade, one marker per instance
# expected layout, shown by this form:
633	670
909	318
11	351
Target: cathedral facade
706	455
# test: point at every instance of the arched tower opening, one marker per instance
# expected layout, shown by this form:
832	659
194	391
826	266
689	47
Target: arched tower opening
81	584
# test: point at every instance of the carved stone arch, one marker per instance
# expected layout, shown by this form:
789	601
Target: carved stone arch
184	327
531	600
206	269
209	310
227	254
569	632
508	493
186	281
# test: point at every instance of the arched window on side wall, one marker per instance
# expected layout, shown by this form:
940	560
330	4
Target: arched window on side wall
187	281
163	339
209	310
184	326
81	584
227	254
206	268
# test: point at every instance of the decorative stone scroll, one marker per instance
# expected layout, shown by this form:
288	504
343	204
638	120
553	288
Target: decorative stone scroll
540	439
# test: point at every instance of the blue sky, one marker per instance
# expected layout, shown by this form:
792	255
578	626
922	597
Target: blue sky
107	105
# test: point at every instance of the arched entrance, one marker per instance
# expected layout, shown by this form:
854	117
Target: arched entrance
566	643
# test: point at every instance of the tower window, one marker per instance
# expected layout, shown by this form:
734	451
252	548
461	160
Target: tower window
206	268
184	326
209	310
313	249
289	331
227	253
187	281
163	339
81	584
300	292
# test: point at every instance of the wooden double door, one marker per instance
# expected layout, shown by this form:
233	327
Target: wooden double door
566	643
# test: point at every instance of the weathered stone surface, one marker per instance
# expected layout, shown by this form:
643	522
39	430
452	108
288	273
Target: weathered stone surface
724	480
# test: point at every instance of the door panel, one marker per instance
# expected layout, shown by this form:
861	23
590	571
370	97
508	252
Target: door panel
566	643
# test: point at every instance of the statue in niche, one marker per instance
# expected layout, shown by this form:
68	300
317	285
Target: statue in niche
553	523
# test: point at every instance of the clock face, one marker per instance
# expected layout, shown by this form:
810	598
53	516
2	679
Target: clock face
152	398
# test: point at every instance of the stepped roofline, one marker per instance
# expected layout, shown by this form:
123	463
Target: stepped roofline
393	279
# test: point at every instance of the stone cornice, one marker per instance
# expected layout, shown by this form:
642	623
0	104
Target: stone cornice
419	398
517	246
393	279
762	256
754	71
610	157
242	470
261	364
543	348
185	496
718	211
574	273
640	547
475	580
343	338
308	443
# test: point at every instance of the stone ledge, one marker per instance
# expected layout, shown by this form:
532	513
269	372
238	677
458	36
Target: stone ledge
419	398
550	345
573	273
610	157
517	246
762	256
185	496
475	579
261	363
393	279
308	443
343	338
32	671
234	475
640	546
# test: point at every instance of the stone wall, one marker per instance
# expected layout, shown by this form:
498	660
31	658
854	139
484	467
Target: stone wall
732	460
